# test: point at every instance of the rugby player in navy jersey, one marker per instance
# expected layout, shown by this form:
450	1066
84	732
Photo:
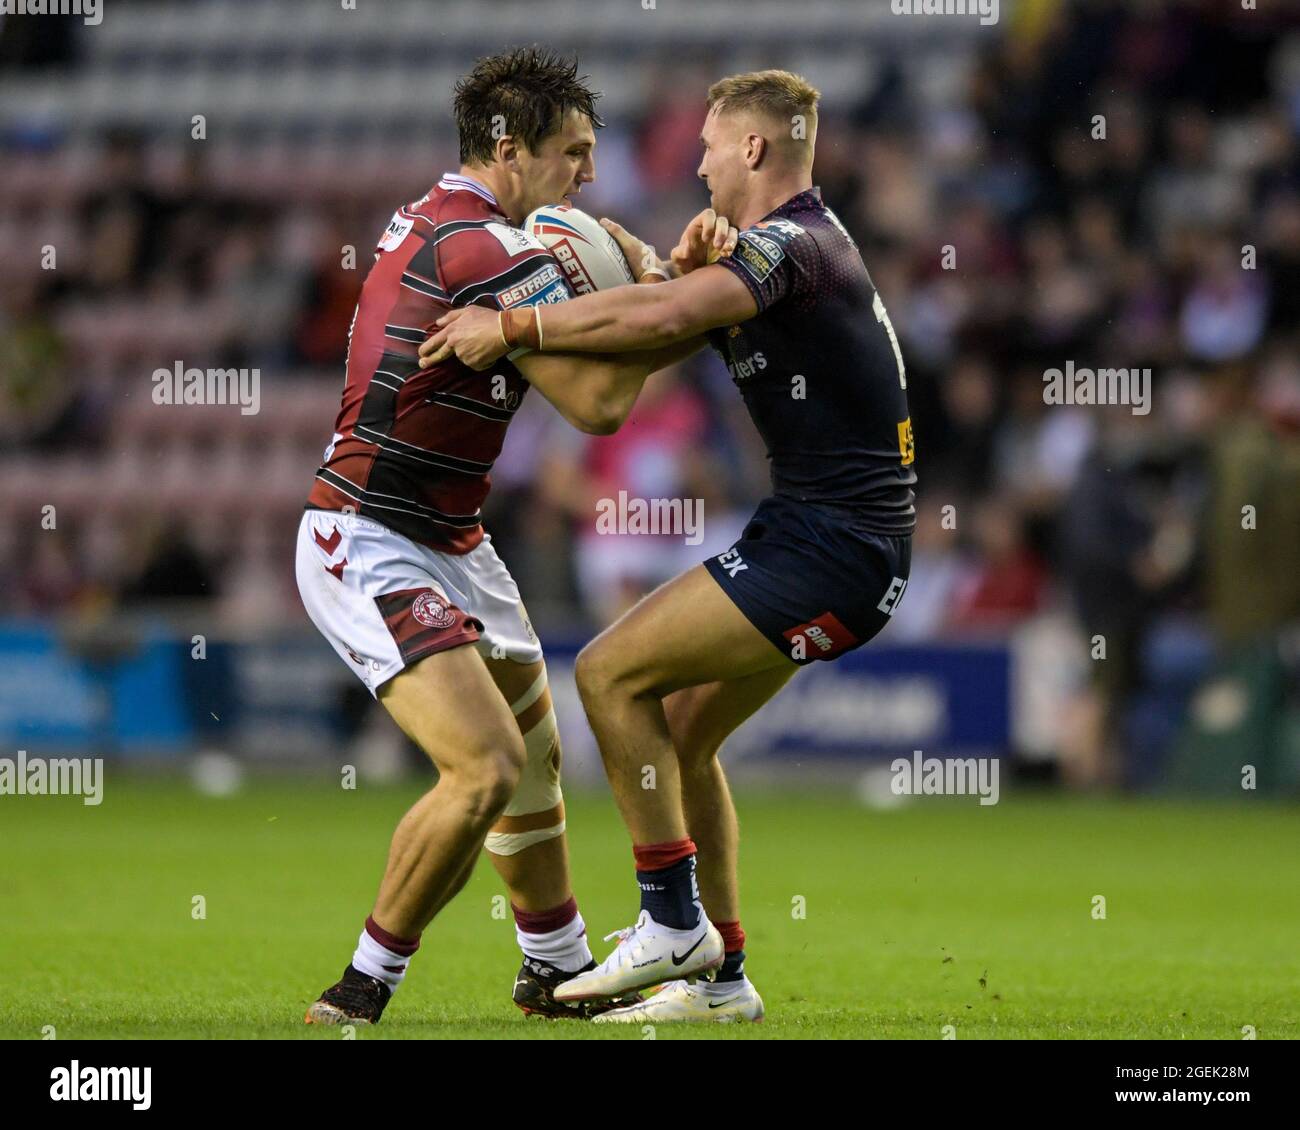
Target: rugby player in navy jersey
818	571
393	564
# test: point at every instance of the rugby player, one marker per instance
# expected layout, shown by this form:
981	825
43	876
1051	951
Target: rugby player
393	564
818	571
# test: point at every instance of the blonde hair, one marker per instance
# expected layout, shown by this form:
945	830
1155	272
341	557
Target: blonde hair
779	95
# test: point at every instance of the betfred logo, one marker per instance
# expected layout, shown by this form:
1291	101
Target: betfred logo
820	638
573	268
539	280
432	611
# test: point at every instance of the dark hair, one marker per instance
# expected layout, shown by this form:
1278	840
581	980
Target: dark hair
529	89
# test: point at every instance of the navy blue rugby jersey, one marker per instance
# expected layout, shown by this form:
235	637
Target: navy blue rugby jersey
820	369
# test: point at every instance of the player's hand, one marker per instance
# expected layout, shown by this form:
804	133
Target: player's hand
640	255
472	333
707	239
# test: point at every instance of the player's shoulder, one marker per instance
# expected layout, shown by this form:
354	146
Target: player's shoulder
788	230
780	228
467	222
777	235
479	254
803	222
449	208
780	238
430	218
813	237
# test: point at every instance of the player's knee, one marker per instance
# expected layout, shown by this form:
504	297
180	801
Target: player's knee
488	778
587	673
601	669
491	789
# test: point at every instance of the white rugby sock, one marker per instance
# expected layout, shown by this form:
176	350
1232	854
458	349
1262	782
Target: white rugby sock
382	955
564	946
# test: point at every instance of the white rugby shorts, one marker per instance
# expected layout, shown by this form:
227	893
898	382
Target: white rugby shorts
384	601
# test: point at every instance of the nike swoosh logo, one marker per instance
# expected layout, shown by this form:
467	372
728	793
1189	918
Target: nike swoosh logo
719	1004
678	960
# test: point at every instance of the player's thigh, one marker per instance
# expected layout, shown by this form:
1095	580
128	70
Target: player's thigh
685	633
701	718
381	601
450	706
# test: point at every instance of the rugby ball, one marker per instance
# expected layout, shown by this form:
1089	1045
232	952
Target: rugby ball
589	256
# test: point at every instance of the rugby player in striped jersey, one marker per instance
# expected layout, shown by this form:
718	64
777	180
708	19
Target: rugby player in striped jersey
393	564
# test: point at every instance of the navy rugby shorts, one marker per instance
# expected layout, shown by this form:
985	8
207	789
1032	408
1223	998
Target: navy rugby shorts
810	581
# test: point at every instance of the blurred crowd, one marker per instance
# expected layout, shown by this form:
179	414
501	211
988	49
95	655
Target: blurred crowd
1116	185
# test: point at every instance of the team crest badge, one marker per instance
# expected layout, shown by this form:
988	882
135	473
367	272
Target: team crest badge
432	611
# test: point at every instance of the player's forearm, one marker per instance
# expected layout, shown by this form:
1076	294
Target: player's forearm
621	320
630	318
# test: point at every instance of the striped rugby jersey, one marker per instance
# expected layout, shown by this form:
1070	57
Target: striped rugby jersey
413	448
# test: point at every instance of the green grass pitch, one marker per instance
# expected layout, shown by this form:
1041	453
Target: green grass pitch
939	913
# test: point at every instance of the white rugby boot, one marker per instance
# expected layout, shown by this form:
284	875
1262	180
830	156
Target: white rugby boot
647	954
680	1000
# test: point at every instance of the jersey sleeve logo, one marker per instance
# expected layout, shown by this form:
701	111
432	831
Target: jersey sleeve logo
399	227
545	285
758	255
514	240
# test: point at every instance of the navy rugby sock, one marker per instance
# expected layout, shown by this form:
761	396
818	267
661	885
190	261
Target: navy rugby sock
666	875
